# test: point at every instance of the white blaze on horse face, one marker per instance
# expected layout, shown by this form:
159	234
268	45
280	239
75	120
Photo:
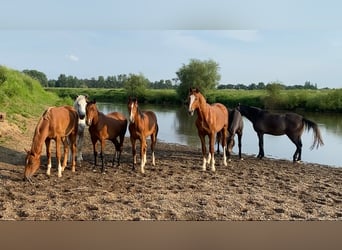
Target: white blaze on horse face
131	116
192	99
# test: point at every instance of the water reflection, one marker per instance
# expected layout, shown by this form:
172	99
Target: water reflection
176	126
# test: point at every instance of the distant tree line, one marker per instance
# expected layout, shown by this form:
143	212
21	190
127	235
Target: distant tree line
201	74
261	85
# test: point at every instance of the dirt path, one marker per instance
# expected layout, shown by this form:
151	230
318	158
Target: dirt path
175	189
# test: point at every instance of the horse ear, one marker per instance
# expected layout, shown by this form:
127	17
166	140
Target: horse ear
27	151
197	90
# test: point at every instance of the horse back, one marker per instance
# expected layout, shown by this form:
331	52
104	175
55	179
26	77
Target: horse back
62	121
220	113
235	121
110	125
146	126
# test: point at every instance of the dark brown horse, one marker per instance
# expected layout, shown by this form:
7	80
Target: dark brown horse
235	128
211	119
59	124
291	124
142	124
105	127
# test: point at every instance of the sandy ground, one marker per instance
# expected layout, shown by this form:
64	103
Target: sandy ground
175	189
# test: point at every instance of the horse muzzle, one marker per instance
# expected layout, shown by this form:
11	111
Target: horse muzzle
88	122
81	117
191	112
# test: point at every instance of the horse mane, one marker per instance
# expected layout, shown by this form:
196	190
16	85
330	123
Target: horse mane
36	147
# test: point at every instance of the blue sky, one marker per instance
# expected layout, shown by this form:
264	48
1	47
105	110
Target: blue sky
291	41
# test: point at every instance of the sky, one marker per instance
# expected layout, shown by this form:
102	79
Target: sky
252	41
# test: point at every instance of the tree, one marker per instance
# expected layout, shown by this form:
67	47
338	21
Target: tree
201	74
37	75
135	85
273	99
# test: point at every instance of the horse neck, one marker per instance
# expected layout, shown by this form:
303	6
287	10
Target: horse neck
203	108
252	114
139	116
40	135
96	117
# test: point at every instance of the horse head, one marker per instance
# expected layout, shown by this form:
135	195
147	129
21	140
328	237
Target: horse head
91	112
193	100
132	106
32	163
80	106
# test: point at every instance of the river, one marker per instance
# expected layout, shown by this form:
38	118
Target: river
176	126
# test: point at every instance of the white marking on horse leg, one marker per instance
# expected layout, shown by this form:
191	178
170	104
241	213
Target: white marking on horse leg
209	158
204	166
153	159
145	158
142	166
59	169
224	156
48	171
213	169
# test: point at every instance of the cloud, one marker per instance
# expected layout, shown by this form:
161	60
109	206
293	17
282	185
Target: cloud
72	57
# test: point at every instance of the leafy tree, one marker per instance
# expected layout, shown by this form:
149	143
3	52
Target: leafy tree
135	85
273	98
201	74
37	75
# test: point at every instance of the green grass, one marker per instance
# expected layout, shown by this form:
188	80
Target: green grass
23	96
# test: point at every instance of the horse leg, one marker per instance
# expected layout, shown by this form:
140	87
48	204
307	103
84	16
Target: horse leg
298	142
143	149
299	149
58	156
94	142
48	155
103	142
218	138
122	138
240	144
212	151
224	145
134	152
153	144
230	145
117	151
72	140
204	165
66	152
261	145
79	143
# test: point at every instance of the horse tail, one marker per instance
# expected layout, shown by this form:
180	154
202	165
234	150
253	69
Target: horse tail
318	141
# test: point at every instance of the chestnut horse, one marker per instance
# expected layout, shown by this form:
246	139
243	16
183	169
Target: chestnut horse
211	119
142	124
59	124
291	124
105	127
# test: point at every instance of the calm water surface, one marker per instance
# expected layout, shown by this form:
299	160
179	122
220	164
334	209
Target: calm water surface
176	126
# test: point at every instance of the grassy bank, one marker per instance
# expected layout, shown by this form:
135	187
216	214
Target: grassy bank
153	96
309	100
20	95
